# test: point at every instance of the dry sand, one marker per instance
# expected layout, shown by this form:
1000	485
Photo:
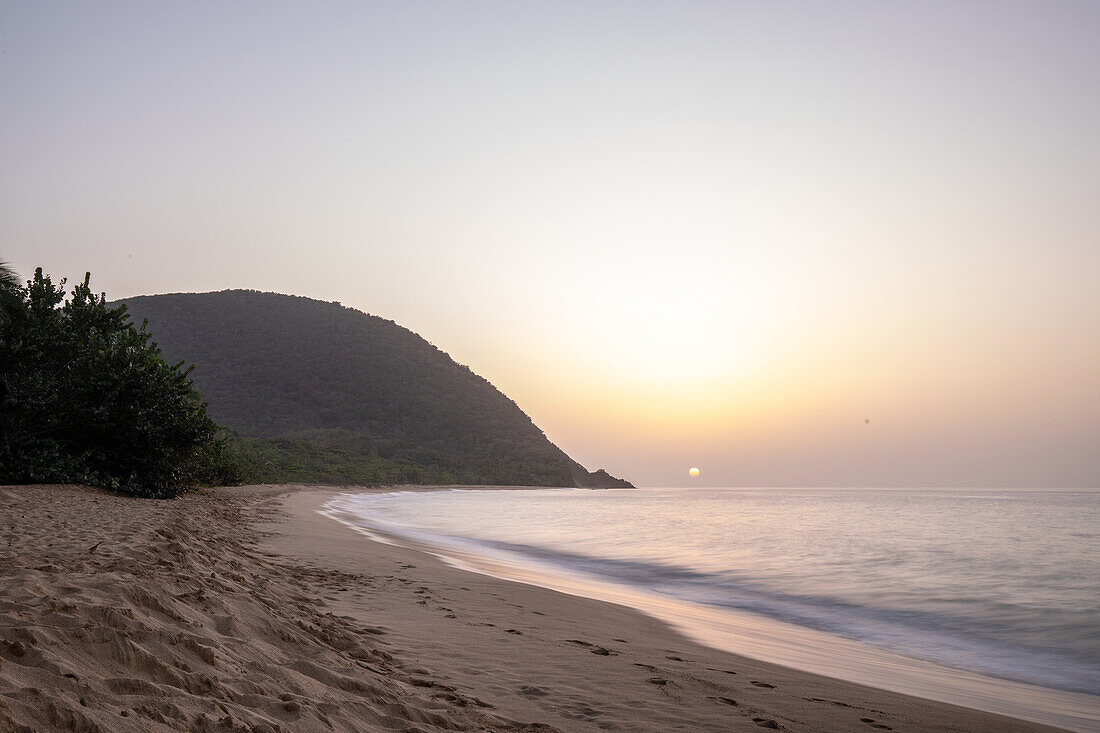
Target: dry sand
244	609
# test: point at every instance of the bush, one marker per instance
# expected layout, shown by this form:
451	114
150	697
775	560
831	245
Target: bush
87	398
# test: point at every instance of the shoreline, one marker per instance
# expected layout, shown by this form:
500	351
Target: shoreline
244	609
759	637
659	649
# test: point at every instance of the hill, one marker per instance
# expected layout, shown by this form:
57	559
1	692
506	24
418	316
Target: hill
321	392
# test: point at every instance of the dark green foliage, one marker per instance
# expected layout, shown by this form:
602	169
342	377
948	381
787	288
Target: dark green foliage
347	457
88	399
8	279
11	301
320	392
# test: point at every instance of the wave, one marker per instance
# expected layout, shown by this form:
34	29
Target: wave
956	640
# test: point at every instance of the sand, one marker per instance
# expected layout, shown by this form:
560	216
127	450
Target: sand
245	610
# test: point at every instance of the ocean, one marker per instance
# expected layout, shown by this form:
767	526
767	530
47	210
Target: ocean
954	588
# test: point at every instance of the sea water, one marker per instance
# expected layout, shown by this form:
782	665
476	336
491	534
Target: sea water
999	583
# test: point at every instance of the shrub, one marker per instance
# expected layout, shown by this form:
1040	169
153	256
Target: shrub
87	398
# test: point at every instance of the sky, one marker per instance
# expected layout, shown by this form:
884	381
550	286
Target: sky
790	243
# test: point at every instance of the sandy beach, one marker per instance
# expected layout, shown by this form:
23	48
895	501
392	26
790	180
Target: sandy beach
246	610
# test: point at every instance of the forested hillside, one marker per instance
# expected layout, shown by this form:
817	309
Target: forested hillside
320	392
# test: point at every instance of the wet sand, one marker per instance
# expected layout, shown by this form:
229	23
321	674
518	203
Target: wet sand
245	609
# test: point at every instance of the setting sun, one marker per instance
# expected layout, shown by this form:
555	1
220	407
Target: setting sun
693	472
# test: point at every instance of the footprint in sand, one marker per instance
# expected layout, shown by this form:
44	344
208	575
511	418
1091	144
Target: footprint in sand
594	648
766	723
532	691
831	702
762	684
871	722
725	701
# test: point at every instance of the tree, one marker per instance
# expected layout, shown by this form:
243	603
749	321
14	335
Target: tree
10	300
90	400
11	305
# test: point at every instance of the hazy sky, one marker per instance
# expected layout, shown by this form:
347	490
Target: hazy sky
722	234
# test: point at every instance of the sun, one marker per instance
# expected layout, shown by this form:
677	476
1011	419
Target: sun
693	472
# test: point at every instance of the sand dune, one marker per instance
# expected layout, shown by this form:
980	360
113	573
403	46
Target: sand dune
245	610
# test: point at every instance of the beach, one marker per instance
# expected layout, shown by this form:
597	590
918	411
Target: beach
246	609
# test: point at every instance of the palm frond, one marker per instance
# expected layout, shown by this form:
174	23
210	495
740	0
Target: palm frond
9	280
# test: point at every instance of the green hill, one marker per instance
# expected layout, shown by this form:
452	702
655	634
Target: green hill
320	392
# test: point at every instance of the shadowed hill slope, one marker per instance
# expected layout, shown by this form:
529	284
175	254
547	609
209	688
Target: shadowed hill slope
309	376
